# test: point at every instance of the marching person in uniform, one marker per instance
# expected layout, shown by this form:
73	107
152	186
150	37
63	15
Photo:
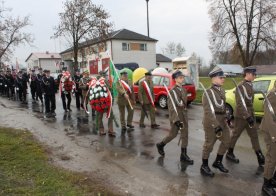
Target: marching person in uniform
48	89
268	126
21	87
2	82
83	85
33	79
10	84
111	131
125	94
79	99
177	106
66	87
244	117
146	99
215	123
39	77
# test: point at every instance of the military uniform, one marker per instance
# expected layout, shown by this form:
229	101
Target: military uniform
39	77
2	82
124	104
48	89
83	85
66	87
268	126
178	119
21	87
33	79
10	84
146	102
215	127
245	119
78	93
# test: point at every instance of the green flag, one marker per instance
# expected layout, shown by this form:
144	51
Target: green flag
113	78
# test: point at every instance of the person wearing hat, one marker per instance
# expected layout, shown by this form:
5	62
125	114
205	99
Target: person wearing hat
39	77
178	117
78	94
33	78
268	125
125	93
215	125
245	118
48	89
146	99
10	84
83	85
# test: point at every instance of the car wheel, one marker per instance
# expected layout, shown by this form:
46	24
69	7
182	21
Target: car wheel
229	110
163	101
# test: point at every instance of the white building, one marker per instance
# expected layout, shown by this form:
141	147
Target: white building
164	62
47	60
123	46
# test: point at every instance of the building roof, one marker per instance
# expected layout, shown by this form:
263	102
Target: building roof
44	55
123	34
231	68
184	58
266	69
162	58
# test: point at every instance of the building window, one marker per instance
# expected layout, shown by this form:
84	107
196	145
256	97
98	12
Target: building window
143	47
125	46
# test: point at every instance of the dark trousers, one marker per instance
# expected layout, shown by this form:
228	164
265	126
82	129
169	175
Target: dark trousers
50	103
78	99
33	92
22	93
68	96
10	91
2	89
39	95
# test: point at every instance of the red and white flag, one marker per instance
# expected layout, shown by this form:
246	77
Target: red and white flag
148	93
126	86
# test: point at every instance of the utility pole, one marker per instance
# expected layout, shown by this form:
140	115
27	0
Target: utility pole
148	16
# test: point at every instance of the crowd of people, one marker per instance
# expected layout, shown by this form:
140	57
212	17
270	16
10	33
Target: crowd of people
99	94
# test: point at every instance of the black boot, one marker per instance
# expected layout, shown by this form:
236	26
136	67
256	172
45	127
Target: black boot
260	157
185	157
160	147
231	157
218	164
268	188
205	169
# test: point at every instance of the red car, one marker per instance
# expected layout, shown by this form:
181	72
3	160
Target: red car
159	89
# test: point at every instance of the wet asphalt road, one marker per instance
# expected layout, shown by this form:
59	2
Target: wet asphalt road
244	178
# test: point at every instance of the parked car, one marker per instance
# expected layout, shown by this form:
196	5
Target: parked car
131	66
260	84
160	92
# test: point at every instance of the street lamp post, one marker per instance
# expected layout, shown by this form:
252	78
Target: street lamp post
148	16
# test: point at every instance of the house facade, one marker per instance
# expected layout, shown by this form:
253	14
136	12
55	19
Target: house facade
47	60
164	62
122	46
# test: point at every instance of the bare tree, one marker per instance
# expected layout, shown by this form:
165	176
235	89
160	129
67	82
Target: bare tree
80	21
245	25
173	50
12	33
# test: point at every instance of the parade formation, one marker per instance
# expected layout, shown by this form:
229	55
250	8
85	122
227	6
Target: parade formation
96	93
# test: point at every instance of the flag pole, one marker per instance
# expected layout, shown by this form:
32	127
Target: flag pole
120	82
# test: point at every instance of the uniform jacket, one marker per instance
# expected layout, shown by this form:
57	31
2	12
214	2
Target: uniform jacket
247	92
48	85
179	97
77	79
268	124
9	80
83	85
121	92
142	93
21	83
217	97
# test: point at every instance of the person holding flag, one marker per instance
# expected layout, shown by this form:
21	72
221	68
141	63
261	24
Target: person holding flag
125	93
146	99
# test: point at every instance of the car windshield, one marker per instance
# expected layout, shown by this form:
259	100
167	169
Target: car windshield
261	85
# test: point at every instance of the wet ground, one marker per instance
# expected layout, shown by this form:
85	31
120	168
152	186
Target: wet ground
130	162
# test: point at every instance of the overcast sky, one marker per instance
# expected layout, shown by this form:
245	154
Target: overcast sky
184	21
